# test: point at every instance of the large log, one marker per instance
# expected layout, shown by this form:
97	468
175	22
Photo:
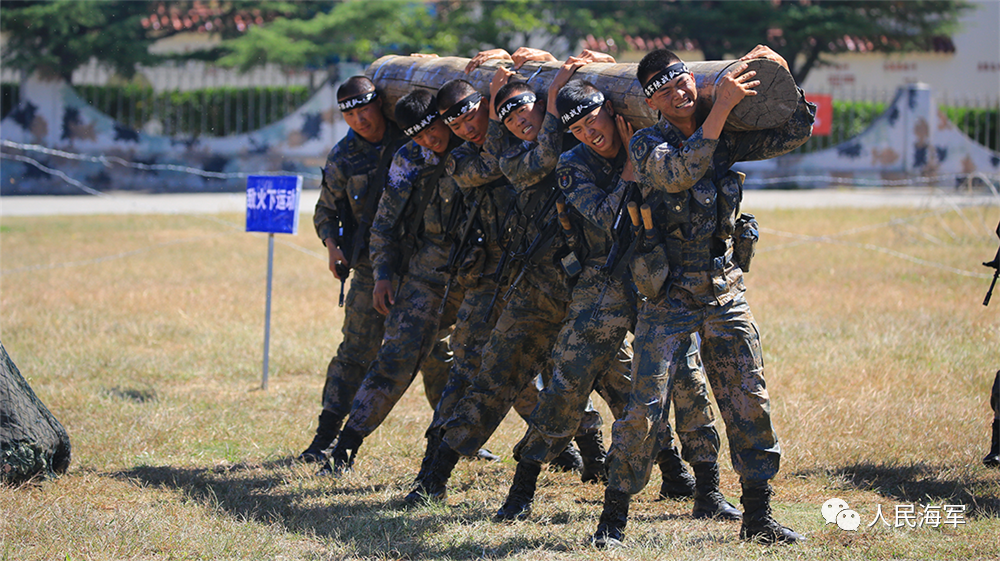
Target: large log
395	76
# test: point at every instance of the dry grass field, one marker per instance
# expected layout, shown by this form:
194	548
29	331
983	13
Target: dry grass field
143	335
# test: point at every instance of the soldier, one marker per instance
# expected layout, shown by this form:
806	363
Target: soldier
684	162
408	241
520	345
353	179
476	251
596	179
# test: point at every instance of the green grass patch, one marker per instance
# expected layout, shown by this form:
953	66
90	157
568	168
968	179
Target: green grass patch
144	336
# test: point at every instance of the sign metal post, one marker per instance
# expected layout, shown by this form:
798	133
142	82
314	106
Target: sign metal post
272	207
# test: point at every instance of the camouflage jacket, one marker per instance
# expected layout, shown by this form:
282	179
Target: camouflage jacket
350	169
530	167
593	186
477	173
409	173
695	195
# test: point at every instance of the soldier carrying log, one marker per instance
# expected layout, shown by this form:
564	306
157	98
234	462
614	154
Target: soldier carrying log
353	180
683	165
409	244
596	179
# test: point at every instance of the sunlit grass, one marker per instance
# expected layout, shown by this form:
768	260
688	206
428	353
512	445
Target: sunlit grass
144	336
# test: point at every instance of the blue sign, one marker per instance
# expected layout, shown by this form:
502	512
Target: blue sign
273	203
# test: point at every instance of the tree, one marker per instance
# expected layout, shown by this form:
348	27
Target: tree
60	35
55	37
804	32
363	31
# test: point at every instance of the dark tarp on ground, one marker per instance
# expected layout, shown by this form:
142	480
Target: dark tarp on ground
32	442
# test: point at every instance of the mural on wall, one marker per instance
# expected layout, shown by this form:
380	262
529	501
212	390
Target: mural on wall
912	139
52	115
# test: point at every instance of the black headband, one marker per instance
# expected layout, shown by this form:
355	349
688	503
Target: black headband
582	109
461	108
661	79
421	124
357	101
513	103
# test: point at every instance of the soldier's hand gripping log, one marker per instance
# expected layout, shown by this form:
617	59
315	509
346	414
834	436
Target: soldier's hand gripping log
995	265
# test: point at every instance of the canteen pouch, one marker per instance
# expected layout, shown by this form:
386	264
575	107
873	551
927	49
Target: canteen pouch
650	270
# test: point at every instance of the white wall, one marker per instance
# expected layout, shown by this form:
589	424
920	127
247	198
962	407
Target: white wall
972	71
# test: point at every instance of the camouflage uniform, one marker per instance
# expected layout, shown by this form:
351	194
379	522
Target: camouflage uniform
413	321
586	347
703	294
350	169
477	173
520	345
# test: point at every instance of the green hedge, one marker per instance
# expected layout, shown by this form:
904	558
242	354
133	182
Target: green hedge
977	123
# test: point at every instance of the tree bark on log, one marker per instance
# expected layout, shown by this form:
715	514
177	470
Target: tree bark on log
776	98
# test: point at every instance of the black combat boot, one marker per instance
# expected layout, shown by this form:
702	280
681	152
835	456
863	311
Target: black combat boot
433	442
595	467
567	460
433	487
522	492
342	455
326	433
708	500
611	527
758	525
677	482
993	458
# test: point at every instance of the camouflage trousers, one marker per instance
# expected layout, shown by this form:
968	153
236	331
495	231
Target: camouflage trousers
473	327
585	358
362	336
518	350
411	329
585	351
731	352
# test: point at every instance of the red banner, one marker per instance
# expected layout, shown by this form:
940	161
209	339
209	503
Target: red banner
824	113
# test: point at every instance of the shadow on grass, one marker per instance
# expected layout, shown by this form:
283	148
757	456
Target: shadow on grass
270	494
920	483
